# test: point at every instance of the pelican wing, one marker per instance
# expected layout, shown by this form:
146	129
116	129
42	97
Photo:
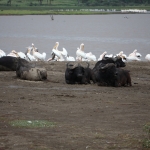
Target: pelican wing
64	52
31	58
22	55
90	56
39	56
2	53
81	53
57	53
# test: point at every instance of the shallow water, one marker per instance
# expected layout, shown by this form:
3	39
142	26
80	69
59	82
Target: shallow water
99	33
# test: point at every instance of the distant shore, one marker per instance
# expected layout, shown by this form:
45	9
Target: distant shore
8	10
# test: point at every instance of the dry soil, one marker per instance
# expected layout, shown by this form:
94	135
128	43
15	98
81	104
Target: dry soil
86	117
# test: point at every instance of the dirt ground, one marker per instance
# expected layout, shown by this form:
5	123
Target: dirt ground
87	117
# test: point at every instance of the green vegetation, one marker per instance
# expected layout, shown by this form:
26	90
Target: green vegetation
74	2
146	141
32	124
27	7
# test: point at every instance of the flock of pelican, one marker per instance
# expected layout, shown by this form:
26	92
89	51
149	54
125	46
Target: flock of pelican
32	54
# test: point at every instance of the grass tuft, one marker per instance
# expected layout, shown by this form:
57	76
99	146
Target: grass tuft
32	124
146	141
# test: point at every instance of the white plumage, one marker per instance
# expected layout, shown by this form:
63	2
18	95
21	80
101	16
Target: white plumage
38	55
138	55
80	53
22	55
109	55
135	53
13	53
59	53
147	57
2	53
122	55
102	56
90	57
68	58
29	56
133	56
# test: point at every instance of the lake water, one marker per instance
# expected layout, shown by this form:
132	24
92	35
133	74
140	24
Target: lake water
99	33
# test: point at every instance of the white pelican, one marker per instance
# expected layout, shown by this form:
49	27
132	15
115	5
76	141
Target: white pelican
33	47
122	55
90	57
38	55
102	56
13	53
63	52
136	53
133	56
133	53
147	57
22	55
59	53
56	45
2	53
29	56
68	58
80	53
